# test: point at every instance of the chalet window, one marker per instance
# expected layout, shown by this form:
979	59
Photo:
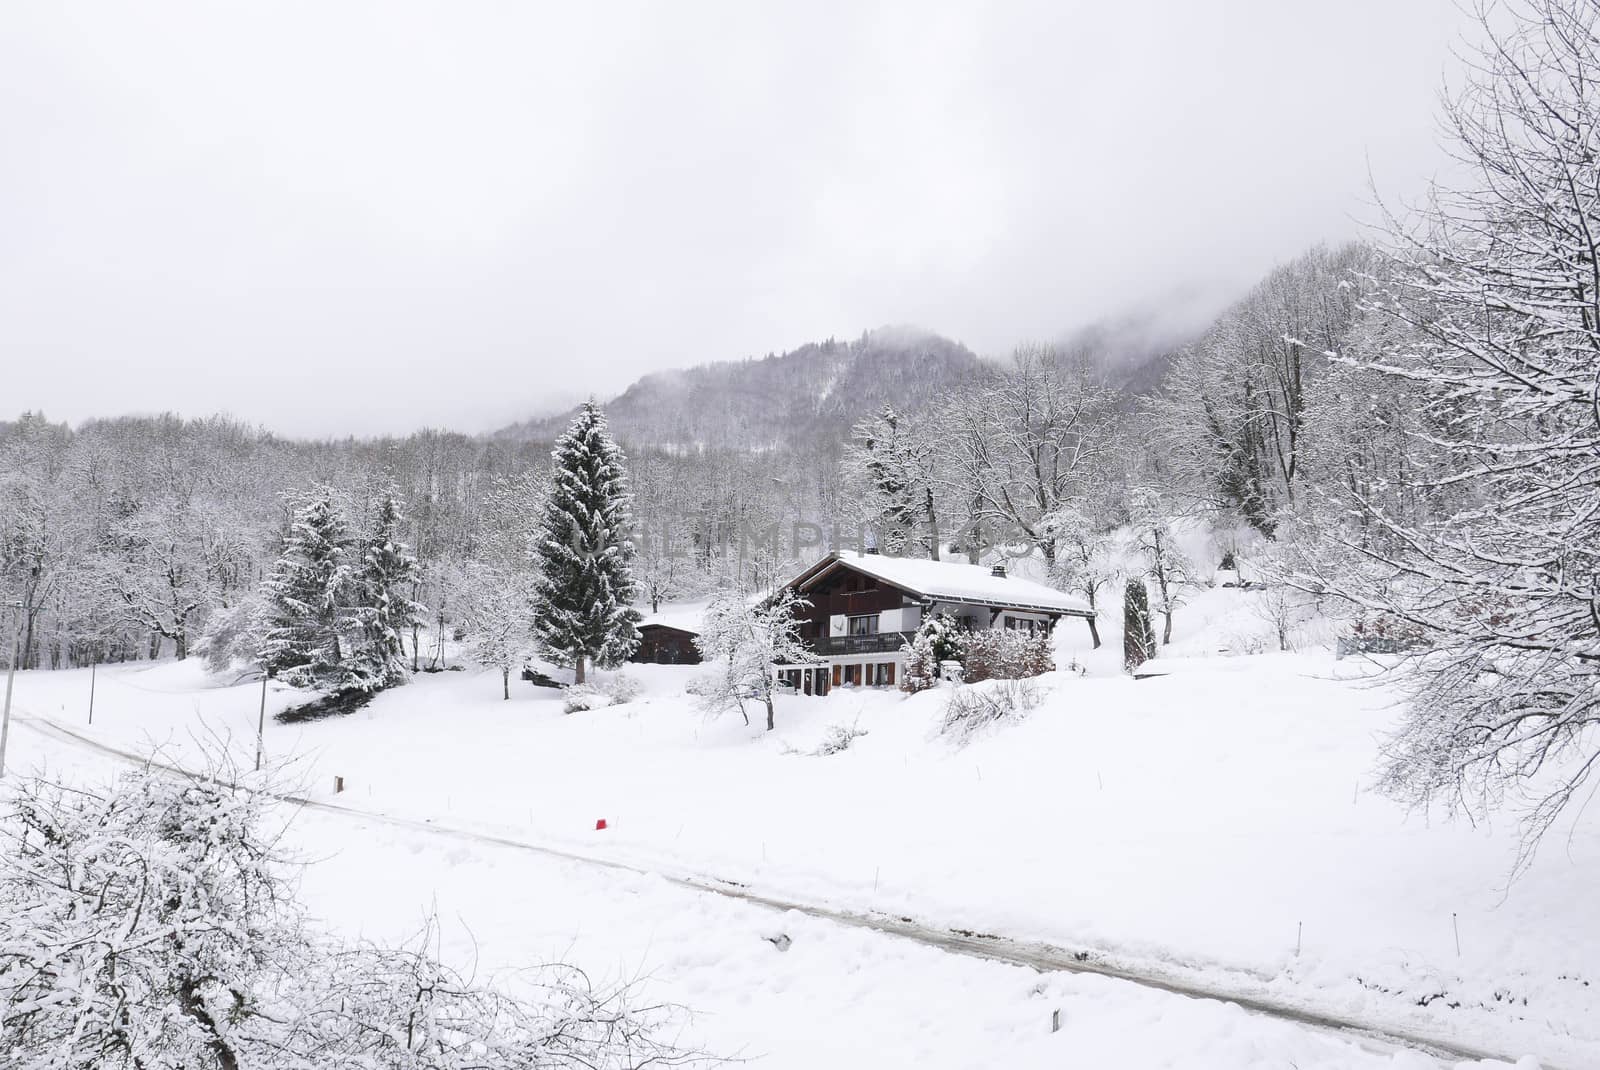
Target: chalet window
867	625
890	678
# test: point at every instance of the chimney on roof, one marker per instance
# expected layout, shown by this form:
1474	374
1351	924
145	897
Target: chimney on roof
997	571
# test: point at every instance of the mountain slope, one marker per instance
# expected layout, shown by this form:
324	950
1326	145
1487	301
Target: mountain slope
816	392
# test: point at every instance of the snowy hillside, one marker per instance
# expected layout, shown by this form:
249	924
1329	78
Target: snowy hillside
1212	826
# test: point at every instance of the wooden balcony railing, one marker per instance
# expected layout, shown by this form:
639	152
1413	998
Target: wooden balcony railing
878	643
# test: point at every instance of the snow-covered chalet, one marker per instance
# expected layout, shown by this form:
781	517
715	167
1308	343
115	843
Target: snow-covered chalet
866	606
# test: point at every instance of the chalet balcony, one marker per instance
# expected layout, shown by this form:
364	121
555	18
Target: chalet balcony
878	643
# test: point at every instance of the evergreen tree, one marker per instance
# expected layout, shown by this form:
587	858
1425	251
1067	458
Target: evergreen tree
1138	638
386	570
305	621
581	602
937	640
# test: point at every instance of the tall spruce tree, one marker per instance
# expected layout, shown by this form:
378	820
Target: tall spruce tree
386	570
582	613
305	624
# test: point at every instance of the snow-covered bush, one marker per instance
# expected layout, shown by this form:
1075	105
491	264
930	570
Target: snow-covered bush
839	738
619	688
581	697
922	668
1287	610
1378	632
998	654
599	693
973	708
151	925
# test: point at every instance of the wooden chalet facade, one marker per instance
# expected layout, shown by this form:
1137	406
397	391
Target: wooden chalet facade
866	606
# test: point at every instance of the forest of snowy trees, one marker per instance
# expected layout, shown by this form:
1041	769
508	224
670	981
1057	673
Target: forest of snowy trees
1407	427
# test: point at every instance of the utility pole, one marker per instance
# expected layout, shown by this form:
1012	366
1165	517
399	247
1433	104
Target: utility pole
11	679
261	722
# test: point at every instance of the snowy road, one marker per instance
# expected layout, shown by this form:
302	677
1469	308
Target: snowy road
1371	1037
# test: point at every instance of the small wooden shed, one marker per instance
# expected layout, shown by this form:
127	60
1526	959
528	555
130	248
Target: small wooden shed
662	644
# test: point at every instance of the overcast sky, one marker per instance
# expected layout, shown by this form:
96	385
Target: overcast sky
334	217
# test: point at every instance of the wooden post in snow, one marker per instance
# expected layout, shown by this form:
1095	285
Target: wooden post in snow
261	721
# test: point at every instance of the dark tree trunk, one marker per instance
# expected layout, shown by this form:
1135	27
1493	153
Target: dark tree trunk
193	1006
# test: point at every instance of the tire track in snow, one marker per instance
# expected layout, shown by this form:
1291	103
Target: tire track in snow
1043	957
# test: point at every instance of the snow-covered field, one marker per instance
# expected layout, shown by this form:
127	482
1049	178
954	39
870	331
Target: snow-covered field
1201	824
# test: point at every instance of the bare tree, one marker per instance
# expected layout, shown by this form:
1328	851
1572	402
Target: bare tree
889	463
1231	415
498	612
1162	559
745	640
1497	287
153	924
1025	446
1083	562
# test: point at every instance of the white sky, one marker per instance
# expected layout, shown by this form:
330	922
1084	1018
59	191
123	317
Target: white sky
335	217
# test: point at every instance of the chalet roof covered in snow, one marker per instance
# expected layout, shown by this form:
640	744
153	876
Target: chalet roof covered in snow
683	616
951	581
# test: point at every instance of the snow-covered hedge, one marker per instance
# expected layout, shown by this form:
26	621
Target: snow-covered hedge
973	708
1005	655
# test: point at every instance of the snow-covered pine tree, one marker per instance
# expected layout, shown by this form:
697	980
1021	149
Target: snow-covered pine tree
387	570
938	640
582	611
305	621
